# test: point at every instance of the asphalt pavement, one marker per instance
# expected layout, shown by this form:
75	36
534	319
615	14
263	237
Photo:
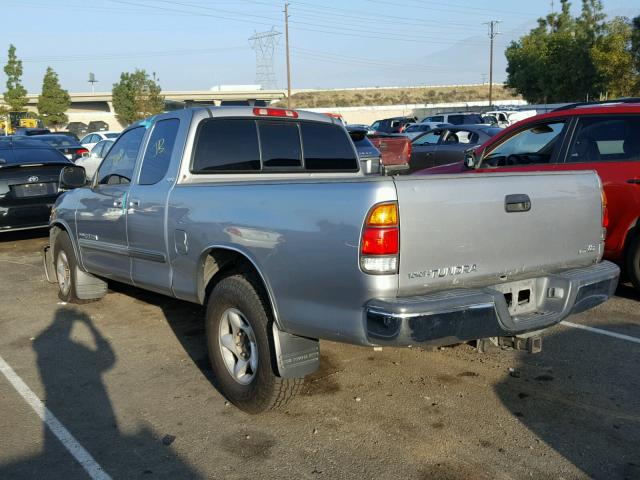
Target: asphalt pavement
122	388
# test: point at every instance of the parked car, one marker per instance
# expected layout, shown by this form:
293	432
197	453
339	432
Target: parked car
91	161
68	134
506	118
395	152
29	173
601	137
392	125
455	118
98	126
369	155
286	245
67	145
79	128
28	132
413	130
441	146
90	140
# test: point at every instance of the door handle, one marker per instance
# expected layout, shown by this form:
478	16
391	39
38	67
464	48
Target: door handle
517	202
635	181
134	203
118	203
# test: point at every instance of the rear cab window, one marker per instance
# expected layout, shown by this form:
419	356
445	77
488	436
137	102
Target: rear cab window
237	145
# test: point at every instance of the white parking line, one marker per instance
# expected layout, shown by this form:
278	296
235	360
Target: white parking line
83	457
602	332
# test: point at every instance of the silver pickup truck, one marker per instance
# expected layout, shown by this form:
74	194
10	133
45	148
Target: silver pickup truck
263	216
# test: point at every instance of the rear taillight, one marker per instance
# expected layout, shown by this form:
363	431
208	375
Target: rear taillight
81	151
605	212
380	244
275	112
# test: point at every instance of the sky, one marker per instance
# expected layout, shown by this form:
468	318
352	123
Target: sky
197	44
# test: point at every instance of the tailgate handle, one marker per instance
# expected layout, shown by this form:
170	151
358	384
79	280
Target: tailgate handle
517	202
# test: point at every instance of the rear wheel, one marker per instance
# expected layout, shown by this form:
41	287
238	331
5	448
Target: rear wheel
238	325
633	261
65	264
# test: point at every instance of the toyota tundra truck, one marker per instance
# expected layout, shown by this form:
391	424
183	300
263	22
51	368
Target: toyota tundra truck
263	216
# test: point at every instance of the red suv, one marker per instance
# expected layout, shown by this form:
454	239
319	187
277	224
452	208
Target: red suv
604	137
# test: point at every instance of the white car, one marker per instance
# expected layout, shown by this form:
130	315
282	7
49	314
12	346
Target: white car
90	140
92	161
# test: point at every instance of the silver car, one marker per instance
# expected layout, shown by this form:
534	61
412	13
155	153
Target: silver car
92	161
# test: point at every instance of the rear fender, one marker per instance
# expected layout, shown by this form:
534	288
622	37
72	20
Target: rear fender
203	277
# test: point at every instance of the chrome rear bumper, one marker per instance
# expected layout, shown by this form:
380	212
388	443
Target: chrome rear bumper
461	315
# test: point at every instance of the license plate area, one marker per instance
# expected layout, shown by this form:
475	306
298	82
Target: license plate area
34	189
520	296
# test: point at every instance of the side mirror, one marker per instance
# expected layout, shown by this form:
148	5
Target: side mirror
71	177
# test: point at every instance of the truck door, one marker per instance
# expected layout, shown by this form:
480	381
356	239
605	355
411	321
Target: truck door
101	216
147	204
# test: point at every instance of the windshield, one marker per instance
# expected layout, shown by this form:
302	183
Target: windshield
23	156
58	141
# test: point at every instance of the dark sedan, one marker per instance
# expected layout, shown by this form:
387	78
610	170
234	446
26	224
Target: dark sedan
68	146
29	174
368	154
446	145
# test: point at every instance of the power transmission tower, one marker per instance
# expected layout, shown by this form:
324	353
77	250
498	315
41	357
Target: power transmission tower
264	44
493	33
286	36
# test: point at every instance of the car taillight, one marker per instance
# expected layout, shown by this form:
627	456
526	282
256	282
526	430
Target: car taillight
275	112
380	244
81	151
605	211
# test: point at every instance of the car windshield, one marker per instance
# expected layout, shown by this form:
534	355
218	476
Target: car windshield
24	156
58	141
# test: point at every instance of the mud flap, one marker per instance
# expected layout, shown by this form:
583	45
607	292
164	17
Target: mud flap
49	268
295	356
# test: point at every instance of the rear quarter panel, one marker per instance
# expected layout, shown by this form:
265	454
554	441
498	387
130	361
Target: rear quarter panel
303	237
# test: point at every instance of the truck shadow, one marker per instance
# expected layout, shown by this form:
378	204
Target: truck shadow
71	372
581	397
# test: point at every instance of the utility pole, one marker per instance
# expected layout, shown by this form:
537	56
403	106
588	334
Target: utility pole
493	33
286	41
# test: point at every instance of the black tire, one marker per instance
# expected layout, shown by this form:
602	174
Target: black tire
64	247
265	390
632	263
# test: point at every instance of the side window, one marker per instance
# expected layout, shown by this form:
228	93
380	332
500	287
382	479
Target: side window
437	118
157	157
85	139
456	119
606	139
536	144
430	138
327	147
375	125
96	151
226	145
280	144
118	165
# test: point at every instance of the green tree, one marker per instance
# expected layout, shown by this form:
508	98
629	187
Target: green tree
54	101
16	94
568	59
136	96
614	60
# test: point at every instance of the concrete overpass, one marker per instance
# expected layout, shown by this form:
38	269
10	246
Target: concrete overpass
86	107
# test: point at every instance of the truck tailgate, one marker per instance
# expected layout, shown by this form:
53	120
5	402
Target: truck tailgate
455	230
